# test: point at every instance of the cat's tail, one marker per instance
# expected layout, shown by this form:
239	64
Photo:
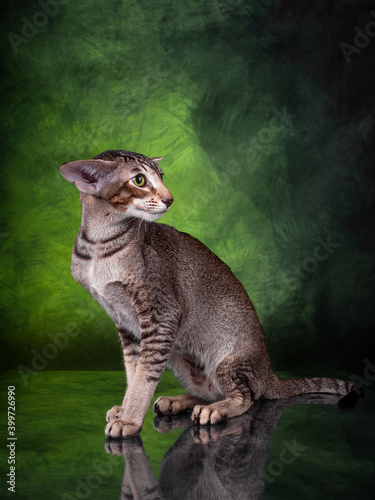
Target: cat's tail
285	388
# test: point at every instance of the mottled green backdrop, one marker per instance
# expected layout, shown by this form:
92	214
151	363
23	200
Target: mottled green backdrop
265	125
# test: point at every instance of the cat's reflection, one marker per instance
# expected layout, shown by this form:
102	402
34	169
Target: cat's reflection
220	462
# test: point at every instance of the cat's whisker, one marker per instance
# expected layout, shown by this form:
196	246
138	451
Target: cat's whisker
139	227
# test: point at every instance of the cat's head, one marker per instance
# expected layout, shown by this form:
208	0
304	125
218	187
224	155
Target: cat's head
131	182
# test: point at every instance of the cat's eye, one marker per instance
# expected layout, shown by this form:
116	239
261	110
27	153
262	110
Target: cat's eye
139	180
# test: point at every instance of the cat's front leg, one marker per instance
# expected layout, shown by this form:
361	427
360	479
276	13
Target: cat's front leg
138	480
152	360
131	347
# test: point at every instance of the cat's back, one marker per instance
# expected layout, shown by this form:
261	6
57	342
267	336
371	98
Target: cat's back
183	250
194	266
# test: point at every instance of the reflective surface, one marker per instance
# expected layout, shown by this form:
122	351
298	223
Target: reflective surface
301	448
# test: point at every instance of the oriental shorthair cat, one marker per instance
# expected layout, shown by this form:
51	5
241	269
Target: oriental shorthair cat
174	303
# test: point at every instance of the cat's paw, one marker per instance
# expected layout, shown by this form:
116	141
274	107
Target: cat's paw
121	446
236	427
122	429
208	434
114	413
168	406
205	415
164	423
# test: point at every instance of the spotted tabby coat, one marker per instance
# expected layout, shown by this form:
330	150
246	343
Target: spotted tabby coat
173	301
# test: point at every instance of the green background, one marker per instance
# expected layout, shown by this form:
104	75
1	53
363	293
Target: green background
266	133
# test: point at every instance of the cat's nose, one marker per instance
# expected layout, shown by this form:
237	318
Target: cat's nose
168	201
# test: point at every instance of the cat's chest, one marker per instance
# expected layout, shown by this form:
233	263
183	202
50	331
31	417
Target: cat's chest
106	280
96	272
100	274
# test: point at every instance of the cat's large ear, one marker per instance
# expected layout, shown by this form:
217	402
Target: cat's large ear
157	159
88	175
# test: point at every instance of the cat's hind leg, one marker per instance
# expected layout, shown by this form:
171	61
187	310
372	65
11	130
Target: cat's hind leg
240	389
191	375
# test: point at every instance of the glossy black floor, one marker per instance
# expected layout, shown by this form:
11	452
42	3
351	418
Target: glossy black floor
302	448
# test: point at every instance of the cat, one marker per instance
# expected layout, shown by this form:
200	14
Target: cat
173	301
